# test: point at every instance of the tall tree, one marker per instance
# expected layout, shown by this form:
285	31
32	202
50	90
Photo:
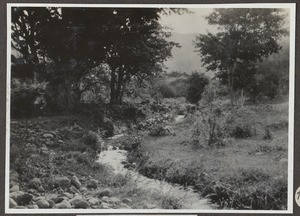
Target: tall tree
244	35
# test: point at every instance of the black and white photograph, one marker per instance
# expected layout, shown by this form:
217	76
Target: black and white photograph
150	108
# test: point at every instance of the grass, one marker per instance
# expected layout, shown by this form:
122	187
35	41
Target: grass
245	174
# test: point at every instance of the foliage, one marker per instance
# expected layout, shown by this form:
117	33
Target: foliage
167	91
244	35
27	98
197	83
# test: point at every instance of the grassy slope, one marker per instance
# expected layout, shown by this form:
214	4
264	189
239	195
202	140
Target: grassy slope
248	166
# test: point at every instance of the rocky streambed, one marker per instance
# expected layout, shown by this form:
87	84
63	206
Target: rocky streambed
191	200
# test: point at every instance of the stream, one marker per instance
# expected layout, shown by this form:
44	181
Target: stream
190	199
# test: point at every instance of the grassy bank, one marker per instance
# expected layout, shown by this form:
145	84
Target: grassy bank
246	173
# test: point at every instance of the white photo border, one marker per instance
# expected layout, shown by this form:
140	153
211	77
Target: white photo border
292	28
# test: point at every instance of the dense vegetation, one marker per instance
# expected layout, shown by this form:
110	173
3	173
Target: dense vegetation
83	75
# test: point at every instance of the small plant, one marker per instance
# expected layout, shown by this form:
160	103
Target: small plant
268	134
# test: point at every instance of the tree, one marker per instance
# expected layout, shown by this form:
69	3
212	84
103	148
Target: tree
197	83
244	35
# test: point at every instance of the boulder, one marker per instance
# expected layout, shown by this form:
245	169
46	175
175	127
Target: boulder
149	206
75	199
66	194
42	203
20	207
62	182
34	206
51	203
82	204
113	200
14	188
62	205
124	206
73	190
12	203
104	206
75	181
106	192
35	183
94	201
104	199
21	198
127	201
92	184
48	135
58	199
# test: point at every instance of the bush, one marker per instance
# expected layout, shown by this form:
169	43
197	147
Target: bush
197	83
167	91
131	142
93	141
27	98
241	123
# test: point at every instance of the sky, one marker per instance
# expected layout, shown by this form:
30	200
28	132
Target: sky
189	23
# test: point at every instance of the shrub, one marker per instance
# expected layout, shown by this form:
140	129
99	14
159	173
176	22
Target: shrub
131	142
167	91
197	83
93	141
27	98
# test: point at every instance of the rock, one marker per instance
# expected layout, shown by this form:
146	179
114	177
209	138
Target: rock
48	135
127	201
66	194
82	204
51	203
12	203
42	203
35	183
62	182
83	189
149	206
14	176
104	199
50	196
113	200
58	199
14	188
12	183
73	190
60	141
62	205
94	201
124	206
104	206
75	199
34	206
75	181
92	184
49	143
106	192
283	161
21	198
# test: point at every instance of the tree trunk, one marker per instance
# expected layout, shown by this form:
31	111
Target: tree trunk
112	88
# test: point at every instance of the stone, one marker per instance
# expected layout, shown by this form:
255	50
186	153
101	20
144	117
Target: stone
70	196
62	205
104	199
12	203
127	201
34	206
92	184
82	204
106	192
48	135
60	141
75	199
283	161
104	206
42	203
62	182
149	206
51	203
50	196
49	143
73	190
75	181
14	188
20	207
58	199
35	183
113	200
94	201
14	176
21	198
124	206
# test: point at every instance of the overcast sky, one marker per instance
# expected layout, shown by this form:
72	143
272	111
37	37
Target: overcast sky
189	23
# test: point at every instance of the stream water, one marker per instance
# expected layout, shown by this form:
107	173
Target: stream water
190	199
